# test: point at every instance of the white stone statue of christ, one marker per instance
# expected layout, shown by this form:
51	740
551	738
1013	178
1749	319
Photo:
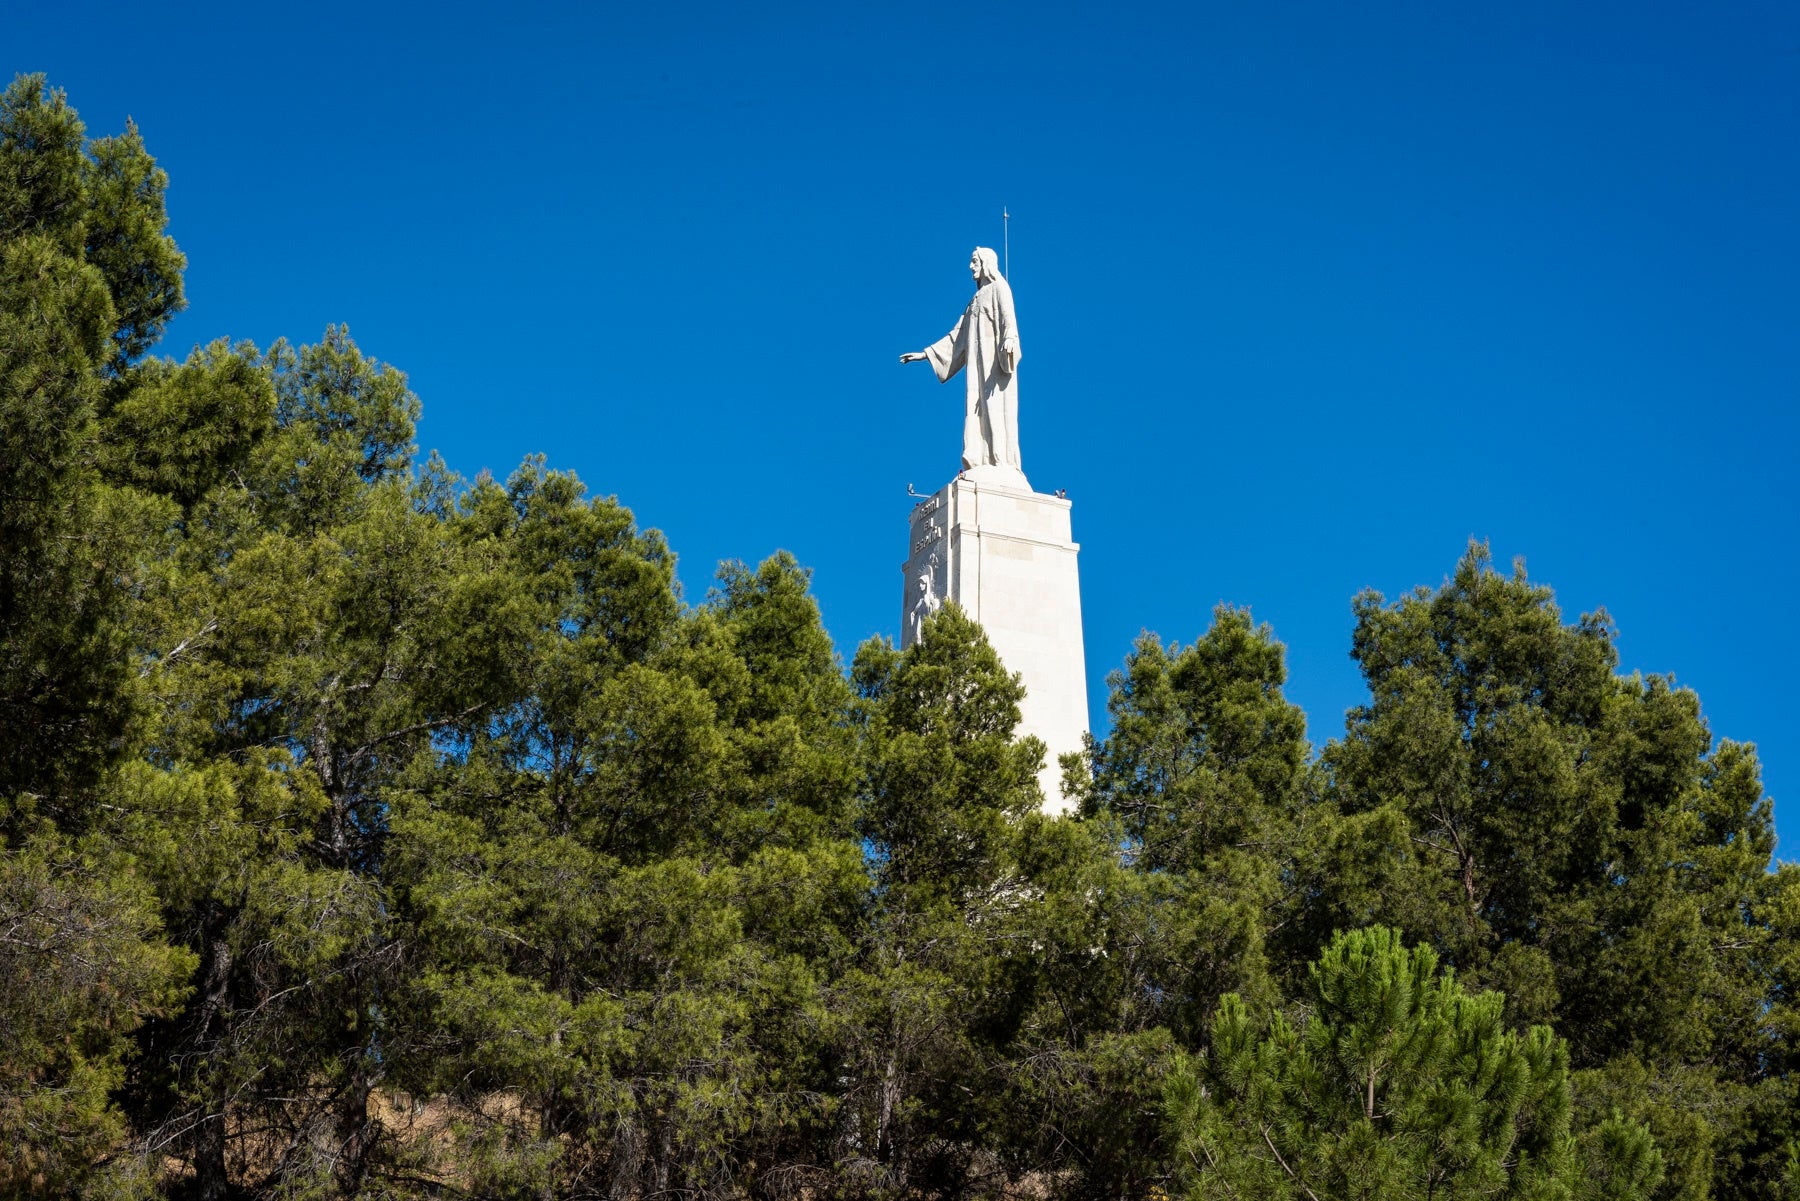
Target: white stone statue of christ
985	347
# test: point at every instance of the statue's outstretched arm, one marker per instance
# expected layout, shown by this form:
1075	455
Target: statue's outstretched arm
946	355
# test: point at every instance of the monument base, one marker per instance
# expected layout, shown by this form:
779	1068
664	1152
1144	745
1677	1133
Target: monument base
1003	552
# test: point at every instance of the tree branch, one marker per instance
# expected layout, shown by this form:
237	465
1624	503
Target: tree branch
1284	1167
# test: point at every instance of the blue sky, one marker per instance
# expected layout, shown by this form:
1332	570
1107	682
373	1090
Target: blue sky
1310	293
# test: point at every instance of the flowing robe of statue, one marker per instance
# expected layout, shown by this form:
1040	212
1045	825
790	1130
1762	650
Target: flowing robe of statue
984	346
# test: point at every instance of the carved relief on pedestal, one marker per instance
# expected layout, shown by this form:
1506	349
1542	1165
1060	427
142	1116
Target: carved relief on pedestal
928	595
926	585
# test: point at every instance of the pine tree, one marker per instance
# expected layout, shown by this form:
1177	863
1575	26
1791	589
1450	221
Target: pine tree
1155	904
87	274
1571	837
1393	1083
944	785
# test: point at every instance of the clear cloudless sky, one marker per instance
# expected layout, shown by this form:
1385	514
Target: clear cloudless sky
1310	293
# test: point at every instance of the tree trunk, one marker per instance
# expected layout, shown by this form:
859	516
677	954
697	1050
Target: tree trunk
627	1159
665	1154
211	1180
354	1129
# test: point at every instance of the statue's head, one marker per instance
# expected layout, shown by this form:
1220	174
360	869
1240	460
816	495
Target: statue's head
984	265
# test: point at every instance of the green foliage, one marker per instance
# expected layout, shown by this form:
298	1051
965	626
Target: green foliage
179	431
1572	837
942	785
63	668
42	165
944	771
99	203
1205	756
83	966
1394	1083
370	832
1205	772
1687	1111
124	225
85	275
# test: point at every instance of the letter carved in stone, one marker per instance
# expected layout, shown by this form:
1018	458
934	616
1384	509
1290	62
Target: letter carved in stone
932	534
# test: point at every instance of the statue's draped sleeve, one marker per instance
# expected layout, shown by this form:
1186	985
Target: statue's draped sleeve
1009	332
949	353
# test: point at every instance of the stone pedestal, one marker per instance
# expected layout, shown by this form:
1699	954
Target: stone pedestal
1003	553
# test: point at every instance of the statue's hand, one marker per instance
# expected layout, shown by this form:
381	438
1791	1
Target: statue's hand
913	356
